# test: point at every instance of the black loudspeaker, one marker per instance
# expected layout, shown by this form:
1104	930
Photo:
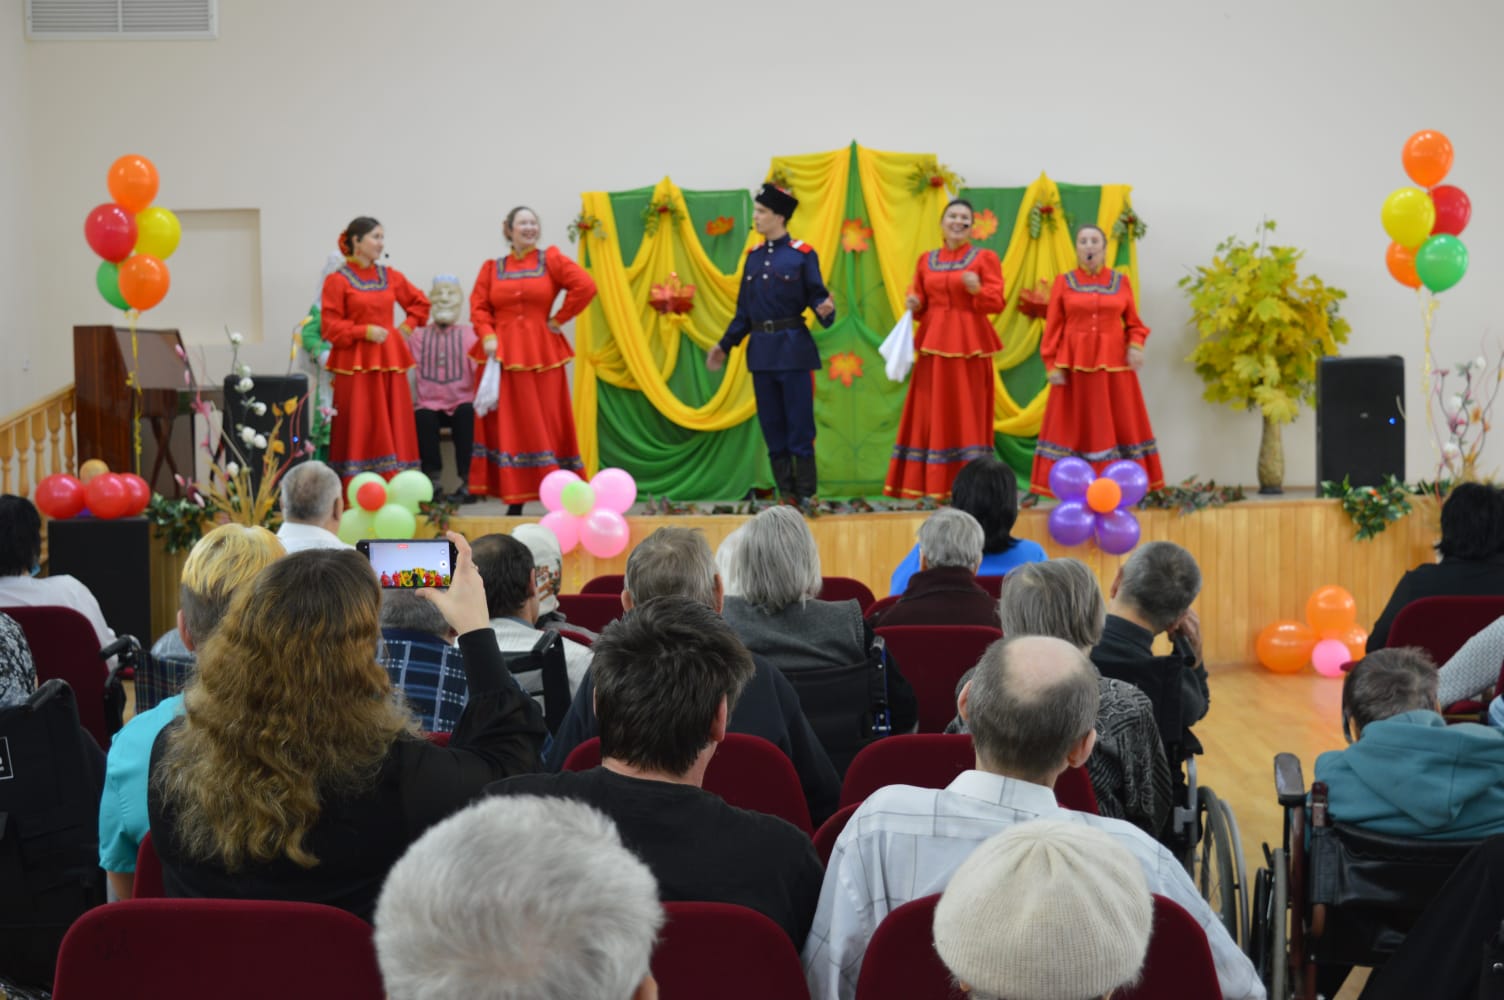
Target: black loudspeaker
267	389
1360	419
112	559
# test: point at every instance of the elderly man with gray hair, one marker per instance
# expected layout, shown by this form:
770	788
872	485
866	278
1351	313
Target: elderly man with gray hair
459	916
945	590
312	502
1032	709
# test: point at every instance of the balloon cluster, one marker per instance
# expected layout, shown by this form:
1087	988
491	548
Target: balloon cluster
105	494
1424	222
589	514
1328	639
133	236
1097	505
376	508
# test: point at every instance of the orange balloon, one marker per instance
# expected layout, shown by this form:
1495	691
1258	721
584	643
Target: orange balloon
133	182
1401	261
1285	647
1331	609
1104	495
1427	157
1354	637
93	467
144	281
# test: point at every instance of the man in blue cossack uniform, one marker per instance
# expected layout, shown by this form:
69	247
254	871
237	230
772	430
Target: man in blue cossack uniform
781	280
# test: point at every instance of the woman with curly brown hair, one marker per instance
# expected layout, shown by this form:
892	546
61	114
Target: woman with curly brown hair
297	772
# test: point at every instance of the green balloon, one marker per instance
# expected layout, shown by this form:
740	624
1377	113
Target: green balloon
355	485
393	521
355	524
1441	262
107	280
578	498
409	488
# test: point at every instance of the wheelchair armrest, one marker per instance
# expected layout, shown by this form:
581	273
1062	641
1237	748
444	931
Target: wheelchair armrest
1289	780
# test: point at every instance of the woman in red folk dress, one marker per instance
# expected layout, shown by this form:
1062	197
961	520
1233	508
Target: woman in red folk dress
1093	348
373	428
531	431
947	417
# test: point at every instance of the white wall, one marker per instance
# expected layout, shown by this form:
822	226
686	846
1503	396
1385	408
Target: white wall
437	118
19	308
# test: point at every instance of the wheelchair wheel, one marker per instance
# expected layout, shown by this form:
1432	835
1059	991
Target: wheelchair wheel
1215	877
1240	868
1279	929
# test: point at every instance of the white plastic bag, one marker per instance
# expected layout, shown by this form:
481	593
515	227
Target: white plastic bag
898	349
488	393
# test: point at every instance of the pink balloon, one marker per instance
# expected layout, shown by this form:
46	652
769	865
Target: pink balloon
1328	656
565	526
615	489
605	533
553	484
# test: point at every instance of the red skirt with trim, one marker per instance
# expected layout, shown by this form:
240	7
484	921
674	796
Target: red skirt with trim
527	436
373	429
947	422
1098	416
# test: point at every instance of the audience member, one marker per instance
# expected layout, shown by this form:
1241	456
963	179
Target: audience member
422	660
676	562
667	676
18	673
1473	670
1472	556
1031	708
987	489
548	575
331	783
1407	773
506	566
21	561
945	590
1045	911
522	899
312	502
725	561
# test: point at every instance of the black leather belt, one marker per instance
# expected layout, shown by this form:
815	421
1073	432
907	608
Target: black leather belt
774	325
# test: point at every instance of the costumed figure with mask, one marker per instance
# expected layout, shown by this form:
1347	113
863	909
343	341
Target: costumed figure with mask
780	280
445	387
309	335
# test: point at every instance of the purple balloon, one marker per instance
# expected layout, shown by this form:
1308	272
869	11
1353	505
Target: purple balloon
1117	531
1070	477
1071	522
1131	477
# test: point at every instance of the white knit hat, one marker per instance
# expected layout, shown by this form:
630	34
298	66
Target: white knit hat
1047	910
547	557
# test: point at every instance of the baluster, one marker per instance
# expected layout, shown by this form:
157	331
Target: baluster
70	466
5	456
18	443
54	422
39	444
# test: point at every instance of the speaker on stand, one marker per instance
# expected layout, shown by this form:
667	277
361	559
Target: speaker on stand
268	389
1360	419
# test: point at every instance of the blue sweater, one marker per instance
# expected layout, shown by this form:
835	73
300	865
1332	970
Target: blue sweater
993	564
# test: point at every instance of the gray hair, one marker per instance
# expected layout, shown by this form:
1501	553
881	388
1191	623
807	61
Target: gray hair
1058	598
778	562
1387	682
309	492
725	561
1160	581
1031	699
672	562
951	537
405	609
459	916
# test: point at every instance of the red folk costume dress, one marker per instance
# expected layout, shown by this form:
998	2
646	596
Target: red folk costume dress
373	429
1099	413
531	431
947	416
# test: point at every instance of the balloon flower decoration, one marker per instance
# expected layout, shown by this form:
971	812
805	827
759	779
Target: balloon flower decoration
1328	639
1424	221
376	508
1100	506
105	494
133	237
589	514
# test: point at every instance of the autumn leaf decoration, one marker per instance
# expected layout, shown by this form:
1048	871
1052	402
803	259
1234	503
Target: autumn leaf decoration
984	225
854	236
585	223
780	179
719	226
656	211
845	367
1129	226
1035	302
929	173
1044	215
672	296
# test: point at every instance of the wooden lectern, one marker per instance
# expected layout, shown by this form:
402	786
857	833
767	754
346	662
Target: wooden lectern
102	367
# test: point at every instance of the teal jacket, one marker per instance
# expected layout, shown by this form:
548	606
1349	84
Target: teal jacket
1412	775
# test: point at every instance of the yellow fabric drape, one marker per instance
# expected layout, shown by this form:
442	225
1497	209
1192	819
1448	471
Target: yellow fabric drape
1114	200
820	181
904	224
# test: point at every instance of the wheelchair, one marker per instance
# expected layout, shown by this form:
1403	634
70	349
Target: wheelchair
1332	896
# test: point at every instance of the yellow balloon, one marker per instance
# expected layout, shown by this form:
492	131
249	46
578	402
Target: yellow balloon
93	467
157	232
1409	215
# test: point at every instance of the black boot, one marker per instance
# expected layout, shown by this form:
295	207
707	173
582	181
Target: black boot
783	477
807	479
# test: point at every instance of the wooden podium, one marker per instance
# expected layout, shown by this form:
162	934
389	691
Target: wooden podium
101	378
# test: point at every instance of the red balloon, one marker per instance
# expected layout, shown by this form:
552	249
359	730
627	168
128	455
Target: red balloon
1453	209
139	490
111	232
109	498
371	496
60	495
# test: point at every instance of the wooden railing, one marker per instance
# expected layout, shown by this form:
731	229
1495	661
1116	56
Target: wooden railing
36	441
